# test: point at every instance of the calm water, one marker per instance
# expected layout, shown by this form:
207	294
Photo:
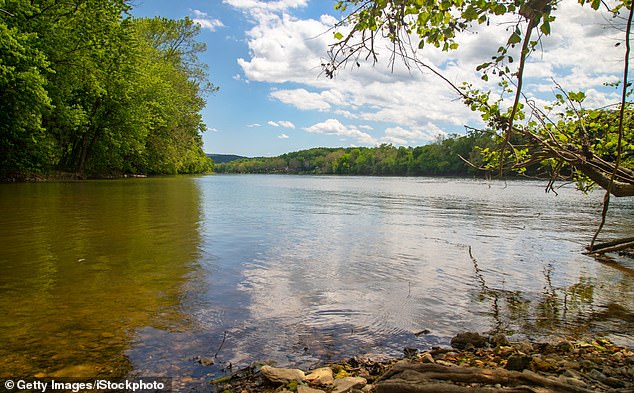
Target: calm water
141	276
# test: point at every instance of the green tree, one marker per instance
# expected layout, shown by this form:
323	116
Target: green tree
24	145
87	89
170	90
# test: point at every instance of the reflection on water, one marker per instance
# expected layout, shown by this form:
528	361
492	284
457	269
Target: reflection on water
87	264
146	276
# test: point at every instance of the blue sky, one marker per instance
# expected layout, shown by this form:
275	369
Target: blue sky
265	56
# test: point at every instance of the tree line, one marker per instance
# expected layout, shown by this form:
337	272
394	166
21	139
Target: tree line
89	90
447	156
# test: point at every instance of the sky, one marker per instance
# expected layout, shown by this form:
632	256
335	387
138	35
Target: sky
273	98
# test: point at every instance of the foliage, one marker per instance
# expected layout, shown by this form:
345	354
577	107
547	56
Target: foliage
594	145
441	158
89	90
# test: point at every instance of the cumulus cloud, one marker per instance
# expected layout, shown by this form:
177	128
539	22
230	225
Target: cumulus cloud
414	106
205	21
281	123
335	127
279	5
301	99
283	136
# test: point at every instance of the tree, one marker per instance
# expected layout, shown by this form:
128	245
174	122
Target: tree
23	99
86	89
593	146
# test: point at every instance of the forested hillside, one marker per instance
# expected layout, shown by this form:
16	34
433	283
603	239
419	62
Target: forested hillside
441	158
88	90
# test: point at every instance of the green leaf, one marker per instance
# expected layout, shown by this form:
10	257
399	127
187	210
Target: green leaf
338	36
515	38
545	27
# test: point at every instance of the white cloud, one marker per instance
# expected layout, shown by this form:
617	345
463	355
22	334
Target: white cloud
279	5
205	22
281	123
254	125
211	129
334	127
283	136
301	99
415	105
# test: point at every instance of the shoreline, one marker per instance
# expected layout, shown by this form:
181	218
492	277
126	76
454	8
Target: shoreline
473	363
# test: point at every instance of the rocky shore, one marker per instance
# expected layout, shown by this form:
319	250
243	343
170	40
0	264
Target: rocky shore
474	363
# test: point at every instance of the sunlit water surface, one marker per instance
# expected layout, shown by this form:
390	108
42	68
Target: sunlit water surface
144	276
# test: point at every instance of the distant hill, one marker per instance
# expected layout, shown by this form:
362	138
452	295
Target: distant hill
220	158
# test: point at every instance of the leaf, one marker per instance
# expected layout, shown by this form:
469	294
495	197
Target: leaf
515	38
338	36
545	27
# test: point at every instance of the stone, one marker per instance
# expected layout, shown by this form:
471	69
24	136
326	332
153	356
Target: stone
427	358
282	375
469	340
205	361
367	388
523	346
308	389
77	371
499	340
321	376
540	364
346	384
565	346
518	362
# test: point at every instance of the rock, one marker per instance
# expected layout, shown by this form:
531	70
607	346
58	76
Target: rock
427	358
565	346
499	340
540	364
585	364
307	389
348	383
468	340
205	361
518	362
321	376
523	346
77	371
367	388
282	375
570	365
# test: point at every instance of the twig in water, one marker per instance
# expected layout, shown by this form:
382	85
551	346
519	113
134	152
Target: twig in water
224	337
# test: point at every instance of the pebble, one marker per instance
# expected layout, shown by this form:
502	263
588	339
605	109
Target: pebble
321	376
346	384
427	358
282	375
518	362
308	389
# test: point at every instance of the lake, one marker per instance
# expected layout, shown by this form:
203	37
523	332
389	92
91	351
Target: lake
145	276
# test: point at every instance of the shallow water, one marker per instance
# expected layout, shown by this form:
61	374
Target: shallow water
140	276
